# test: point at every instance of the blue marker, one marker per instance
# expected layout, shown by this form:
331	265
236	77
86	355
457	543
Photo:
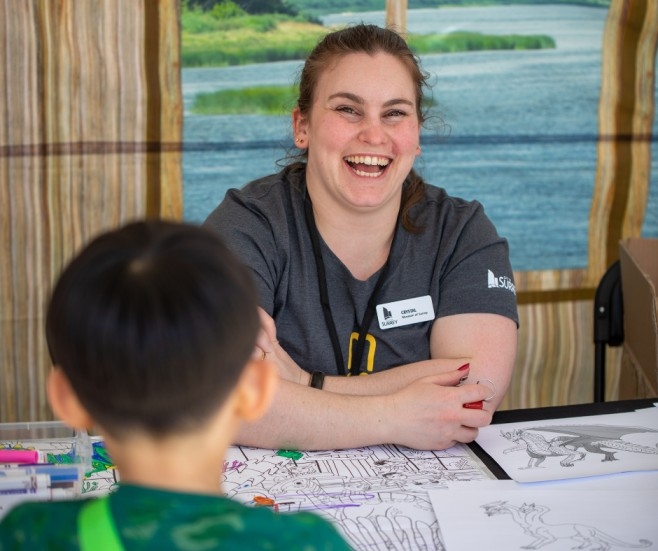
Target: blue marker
24	484
59	475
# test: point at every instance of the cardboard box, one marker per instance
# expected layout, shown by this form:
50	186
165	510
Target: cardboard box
639	280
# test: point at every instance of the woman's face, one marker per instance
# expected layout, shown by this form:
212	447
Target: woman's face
362	132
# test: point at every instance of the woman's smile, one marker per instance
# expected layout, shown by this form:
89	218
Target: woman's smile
370	166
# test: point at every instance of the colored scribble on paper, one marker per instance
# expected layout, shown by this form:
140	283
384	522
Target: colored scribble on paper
376	496
290	454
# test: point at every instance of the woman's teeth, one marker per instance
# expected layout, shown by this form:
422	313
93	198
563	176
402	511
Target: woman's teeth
367	165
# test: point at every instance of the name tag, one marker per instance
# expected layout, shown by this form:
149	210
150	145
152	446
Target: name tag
405	312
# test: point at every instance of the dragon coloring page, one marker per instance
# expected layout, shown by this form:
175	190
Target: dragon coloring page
511	516
575	447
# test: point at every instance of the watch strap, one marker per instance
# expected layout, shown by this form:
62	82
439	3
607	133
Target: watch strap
317	380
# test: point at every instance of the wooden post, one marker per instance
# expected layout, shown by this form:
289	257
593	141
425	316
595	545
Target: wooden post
625	120
396	16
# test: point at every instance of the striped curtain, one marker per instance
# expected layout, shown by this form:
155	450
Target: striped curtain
90	137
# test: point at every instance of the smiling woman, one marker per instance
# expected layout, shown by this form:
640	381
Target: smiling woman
365	269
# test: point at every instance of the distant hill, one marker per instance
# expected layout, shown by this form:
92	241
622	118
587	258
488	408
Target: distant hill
321	7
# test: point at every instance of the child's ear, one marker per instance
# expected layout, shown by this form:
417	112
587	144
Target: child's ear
255	389
64	401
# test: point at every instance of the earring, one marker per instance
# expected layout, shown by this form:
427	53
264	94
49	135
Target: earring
299	140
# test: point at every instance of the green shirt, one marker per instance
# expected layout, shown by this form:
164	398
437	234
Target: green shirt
152	519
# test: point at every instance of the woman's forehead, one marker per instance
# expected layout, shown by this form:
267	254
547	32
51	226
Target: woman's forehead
380	73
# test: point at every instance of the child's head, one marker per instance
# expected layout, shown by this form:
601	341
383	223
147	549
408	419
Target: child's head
152	325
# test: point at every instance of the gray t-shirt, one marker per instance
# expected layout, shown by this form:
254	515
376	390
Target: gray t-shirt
459	261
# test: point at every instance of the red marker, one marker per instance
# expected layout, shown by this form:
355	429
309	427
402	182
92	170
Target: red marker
474	405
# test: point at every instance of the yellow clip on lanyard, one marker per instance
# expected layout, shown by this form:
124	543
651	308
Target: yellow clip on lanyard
96	528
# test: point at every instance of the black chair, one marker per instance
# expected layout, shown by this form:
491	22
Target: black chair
608	323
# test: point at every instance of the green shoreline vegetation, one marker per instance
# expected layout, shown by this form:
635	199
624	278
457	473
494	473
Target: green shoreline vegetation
322	7
257	100
278	100
227	35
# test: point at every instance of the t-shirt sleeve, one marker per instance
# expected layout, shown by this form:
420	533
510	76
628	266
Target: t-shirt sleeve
248	233
477	275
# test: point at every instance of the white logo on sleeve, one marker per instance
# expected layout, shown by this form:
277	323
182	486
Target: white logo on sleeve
405	312
502	282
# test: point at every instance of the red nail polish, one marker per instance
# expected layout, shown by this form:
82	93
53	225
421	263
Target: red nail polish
474	405
464	367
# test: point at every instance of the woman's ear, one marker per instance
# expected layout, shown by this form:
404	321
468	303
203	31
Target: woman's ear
255	389
299	128
64	401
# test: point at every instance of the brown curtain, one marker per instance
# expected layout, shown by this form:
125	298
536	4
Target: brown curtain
90	138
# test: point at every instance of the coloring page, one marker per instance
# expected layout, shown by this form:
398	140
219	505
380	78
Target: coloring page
574	447
511	516
376	496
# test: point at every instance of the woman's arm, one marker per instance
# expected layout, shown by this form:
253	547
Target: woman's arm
487	342
373	384
427	414
420	405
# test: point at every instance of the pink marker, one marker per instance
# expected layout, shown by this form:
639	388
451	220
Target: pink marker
21	456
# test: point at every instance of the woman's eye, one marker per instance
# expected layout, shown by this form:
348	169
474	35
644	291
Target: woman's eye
346	109
396	113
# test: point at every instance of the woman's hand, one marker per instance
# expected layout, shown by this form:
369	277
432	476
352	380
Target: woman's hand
266	338
267	346
429	414
287	368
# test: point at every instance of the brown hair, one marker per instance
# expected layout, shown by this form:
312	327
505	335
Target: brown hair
369	39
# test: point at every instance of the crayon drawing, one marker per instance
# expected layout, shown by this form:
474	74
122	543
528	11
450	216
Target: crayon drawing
377	496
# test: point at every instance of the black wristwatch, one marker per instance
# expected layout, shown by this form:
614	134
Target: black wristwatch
317	379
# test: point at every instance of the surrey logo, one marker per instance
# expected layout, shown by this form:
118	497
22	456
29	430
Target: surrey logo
502	282
387	313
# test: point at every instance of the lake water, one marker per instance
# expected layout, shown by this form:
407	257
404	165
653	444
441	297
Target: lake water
520	130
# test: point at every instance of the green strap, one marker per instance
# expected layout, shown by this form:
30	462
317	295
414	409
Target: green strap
96	528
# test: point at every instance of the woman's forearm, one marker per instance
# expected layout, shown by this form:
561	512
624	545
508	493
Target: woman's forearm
391	380
301	417
427	414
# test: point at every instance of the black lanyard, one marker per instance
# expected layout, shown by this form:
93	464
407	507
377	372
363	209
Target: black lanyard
355	364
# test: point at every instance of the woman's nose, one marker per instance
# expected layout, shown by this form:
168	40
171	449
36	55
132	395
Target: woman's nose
373	132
